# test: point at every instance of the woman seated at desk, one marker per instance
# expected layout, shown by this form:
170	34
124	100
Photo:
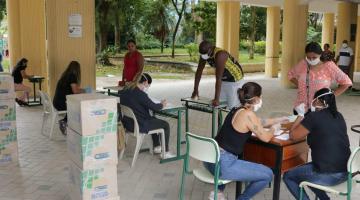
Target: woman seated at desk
238	126
19	74
325	129
68	84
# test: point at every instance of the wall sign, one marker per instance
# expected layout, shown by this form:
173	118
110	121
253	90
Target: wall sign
75	26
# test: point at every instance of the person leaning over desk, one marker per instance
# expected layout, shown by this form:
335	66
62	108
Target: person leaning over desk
238	126
326	132
310	75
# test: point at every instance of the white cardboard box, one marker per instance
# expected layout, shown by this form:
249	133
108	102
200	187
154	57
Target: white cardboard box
7	132
96	183
92	149
9	153
7	110
90	114
6	86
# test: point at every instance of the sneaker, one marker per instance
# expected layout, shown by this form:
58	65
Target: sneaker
220	196
157	149
168	154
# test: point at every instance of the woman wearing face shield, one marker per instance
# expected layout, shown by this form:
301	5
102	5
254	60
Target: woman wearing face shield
326	133
238	126
310	75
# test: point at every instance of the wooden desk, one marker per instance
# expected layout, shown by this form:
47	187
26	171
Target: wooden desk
279	155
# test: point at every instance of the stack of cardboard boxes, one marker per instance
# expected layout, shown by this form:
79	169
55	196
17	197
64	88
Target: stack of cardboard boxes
92	146
8	136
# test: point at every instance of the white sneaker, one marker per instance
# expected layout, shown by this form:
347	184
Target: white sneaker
220	196
168	154
157	149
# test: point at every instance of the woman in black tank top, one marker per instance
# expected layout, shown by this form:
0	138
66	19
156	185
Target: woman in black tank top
238	126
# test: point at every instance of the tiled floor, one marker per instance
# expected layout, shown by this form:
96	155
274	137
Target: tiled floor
42	172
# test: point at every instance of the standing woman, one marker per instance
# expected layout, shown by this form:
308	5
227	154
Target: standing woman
310	75
19	74
133	64
69	83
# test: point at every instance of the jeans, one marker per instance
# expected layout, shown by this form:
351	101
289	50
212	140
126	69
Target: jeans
155	123
306	172
231	168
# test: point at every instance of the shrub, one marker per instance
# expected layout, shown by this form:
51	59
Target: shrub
260	47
244	45
192	50
146	41
103	57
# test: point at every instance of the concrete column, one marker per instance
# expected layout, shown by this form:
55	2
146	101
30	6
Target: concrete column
343	23
228	26
234	28
294	37
357	44
26	24
327	35
221	24
272	41
62	48
13	12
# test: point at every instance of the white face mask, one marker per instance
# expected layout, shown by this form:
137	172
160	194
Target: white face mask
258	106
146	88
313	62
344	45
313	108
204	56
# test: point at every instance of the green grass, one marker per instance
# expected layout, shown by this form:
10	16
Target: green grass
151	52
117	70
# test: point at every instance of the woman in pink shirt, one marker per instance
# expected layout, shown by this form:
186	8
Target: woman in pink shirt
310	75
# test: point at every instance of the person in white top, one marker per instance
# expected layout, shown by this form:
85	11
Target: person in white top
345	58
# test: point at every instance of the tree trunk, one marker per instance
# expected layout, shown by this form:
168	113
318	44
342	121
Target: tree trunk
253	32
162	44
117	34
103	39
180	14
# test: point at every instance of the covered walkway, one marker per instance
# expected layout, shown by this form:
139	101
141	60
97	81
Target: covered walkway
43	170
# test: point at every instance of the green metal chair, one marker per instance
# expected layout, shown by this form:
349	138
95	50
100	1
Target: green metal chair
206	150
344	189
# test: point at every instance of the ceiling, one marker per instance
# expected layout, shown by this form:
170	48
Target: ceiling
314	5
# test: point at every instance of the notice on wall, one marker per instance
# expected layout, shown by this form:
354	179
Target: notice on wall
75	26
75	31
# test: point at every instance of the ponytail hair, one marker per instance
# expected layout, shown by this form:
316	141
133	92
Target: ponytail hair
327	97
248	91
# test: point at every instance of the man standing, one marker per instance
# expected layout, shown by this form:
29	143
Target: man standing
345	58
228	73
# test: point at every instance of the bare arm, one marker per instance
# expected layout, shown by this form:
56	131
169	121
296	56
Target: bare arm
198	74
298	131
271	121
341	89
76	88
24	75
220	60
295	81
254	125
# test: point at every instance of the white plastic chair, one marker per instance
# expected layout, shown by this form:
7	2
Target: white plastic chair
207	150
126	111
49	112
344	189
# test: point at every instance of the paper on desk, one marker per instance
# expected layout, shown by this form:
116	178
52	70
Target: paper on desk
284	136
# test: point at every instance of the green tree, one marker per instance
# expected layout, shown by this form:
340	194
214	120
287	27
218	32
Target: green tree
179	8
206	23
159	21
